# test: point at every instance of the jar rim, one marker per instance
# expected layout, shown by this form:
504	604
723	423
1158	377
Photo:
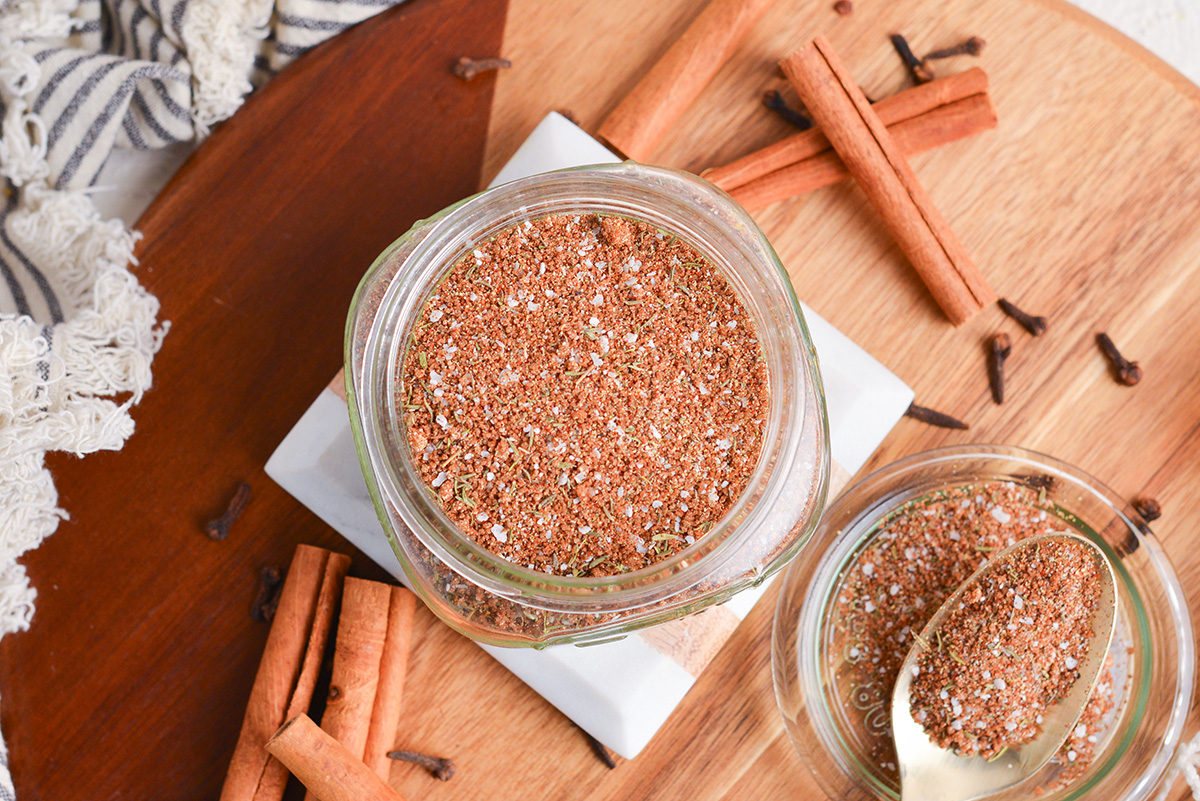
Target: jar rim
408	289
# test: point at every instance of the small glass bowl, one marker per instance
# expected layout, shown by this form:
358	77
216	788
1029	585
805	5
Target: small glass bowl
1153	647
492	600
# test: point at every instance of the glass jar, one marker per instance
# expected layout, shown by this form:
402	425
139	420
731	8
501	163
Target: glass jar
496	601
835	730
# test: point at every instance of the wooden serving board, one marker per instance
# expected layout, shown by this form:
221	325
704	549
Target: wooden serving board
1084	206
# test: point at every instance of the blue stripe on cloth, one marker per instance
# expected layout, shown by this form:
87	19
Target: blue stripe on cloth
14	289
130	126
139	14
39	278
285	49
169	102
309	24
156	40
139	102
177	19
44	366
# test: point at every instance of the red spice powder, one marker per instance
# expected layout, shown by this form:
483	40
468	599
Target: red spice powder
920	553
1008	651
586	395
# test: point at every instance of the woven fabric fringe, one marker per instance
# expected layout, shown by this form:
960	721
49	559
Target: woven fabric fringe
78	334
1187	764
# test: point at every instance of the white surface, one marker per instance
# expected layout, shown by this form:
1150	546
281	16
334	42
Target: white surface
131	179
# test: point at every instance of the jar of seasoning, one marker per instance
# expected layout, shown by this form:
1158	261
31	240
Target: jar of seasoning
897	543
498	600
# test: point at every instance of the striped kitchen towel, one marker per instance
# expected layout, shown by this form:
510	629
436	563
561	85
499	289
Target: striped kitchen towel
77	332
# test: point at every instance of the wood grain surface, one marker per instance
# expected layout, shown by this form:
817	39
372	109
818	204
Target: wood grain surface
1084	206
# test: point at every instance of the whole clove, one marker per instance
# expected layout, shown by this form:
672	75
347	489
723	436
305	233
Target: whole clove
1127	372
1037	480
971	47
598	748
1000	350
1148	508
775	102
934	418
843	8
467	68
442	769
218	528
1032	324
919	70
270	583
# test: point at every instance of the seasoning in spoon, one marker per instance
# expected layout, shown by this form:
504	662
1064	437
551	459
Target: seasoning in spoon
919	554
585	394
1009	650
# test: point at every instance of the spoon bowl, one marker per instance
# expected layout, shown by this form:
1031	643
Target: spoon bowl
929	772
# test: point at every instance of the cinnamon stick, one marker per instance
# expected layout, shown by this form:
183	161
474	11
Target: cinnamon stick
288	671
362	631
942	125
665	92
393	667
906	105
877	164
324	765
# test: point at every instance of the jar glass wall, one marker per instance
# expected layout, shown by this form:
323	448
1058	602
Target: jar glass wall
493	600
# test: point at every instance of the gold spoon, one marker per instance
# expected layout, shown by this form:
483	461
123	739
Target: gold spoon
931	773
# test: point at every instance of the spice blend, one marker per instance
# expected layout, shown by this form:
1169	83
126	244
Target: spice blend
585	394
1008	651
919	555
